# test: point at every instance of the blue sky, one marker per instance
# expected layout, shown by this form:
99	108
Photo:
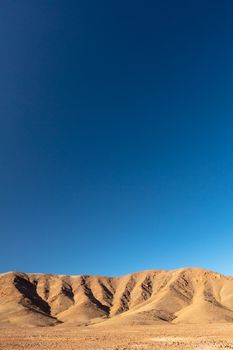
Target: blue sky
116	136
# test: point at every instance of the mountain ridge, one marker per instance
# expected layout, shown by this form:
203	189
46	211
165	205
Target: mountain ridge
185	295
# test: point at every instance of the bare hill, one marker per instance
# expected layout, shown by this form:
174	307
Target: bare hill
189	295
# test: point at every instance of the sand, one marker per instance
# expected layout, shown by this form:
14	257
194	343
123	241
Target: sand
215	336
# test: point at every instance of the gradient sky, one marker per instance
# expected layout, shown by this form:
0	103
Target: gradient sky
116	135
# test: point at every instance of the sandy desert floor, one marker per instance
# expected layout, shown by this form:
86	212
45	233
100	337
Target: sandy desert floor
218	336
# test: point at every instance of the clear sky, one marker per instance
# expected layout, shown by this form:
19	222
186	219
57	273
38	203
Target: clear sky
116	135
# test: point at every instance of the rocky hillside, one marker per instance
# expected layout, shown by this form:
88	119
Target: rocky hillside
180	296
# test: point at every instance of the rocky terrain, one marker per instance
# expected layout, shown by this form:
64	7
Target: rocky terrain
157	337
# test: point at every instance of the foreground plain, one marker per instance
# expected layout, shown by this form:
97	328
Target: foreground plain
215	336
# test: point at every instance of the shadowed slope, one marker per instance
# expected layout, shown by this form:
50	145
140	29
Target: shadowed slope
21	304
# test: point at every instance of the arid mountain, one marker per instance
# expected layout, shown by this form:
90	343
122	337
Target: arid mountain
189	295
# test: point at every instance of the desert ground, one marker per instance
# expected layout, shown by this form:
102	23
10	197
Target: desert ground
214	336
